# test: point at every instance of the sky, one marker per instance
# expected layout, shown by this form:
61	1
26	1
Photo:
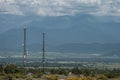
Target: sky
60	7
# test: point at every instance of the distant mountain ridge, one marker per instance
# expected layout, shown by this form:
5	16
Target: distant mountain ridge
59	30
106	49
93	48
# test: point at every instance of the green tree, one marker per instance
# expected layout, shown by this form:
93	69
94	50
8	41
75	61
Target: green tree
10	69
1	68
76	70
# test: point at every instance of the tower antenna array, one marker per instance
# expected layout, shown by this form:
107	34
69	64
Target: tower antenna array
43	55
25	50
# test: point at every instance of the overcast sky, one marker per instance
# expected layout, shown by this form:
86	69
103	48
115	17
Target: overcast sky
60	7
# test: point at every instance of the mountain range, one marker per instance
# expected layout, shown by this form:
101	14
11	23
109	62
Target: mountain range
71	26
76	33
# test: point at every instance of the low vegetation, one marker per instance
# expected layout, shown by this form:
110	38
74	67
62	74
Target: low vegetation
12	72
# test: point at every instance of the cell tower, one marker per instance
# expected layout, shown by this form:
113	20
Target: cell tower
43	55
25	50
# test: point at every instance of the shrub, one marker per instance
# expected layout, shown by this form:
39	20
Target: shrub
9	77
76	70
19	75
112	75
37	75
10	69
28	79
72	78
2	74
101	77
50	77
89	78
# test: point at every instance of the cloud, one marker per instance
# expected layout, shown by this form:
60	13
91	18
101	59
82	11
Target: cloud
9	7
108	8
60	7
47	7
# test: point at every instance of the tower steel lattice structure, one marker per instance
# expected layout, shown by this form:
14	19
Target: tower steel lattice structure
43	53
24	51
